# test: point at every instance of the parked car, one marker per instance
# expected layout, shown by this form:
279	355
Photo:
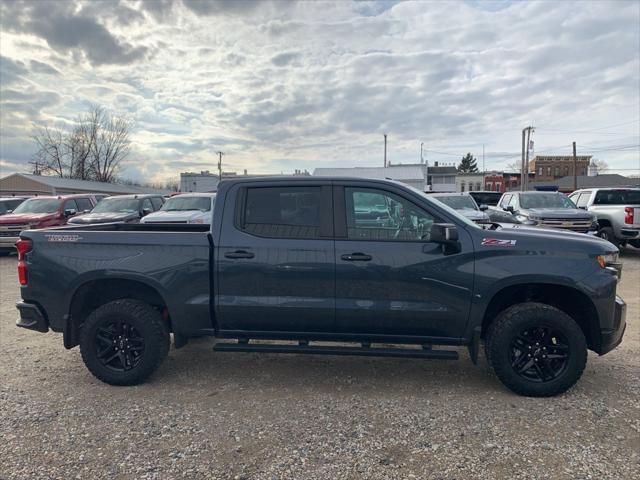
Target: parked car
120	208
184	208
39	212
490	199
617	210
548	210
9	204
290	258
465	204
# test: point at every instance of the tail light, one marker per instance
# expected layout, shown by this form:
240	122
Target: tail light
628	215
23	246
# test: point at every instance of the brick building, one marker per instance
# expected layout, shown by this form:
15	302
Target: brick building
551	167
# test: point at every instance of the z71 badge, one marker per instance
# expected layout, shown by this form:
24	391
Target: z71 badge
497	242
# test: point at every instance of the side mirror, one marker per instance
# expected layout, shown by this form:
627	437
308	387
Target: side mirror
444	233
531	223
483	207
9	211
146	211
70	212
509	208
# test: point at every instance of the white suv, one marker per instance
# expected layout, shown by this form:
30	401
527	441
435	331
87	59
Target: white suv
184	208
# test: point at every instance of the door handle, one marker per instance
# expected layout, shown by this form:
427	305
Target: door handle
239	254
356	257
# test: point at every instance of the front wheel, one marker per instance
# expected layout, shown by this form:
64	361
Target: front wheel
124	341
536	350
606	233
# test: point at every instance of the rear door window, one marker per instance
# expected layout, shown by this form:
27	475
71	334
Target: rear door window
282	212
617	197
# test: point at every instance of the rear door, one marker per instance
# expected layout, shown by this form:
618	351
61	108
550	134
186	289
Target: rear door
390	279
275	262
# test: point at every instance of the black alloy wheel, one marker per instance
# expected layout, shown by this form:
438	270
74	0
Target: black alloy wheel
119	345
539	354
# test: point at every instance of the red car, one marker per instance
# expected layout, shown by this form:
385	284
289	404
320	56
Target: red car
40	212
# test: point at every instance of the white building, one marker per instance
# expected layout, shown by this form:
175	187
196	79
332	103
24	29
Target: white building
411	174
469	182
199	182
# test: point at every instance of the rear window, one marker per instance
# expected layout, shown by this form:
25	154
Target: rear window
617	197
283	212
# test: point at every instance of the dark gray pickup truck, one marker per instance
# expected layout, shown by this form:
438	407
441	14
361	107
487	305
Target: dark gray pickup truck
333	266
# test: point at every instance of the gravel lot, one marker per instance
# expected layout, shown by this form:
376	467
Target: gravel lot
255	416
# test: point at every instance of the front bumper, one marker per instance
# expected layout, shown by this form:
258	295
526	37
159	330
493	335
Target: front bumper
610	338
32	317
8	244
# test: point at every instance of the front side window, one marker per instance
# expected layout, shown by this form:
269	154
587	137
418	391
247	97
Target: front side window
157	203
70	205
147	205
84	204
582	200
379	215
283	212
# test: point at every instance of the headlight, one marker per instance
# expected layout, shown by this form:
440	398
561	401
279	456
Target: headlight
197	220
608	259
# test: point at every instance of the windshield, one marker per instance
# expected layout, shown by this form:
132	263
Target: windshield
181	204
116	205
551	200
38	205
458	202
444	207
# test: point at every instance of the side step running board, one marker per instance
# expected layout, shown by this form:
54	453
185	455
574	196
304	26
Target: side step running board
337	350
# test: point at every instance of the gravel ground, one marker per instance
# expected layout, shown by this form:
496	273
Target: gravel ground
256	416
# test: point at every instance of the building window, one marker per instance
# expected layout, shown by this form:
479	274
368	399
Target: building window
557	172
549	171
540	171
462	185
498	186
487	187
478	186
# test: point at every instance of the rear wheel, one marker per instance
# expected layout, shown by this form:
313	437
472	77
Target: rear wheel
607	234
536	350
124	341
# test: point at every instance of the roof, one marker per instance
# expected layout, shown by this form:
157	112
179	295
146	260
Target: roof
585	181
442	170
396	172
450	194
87	185
561	158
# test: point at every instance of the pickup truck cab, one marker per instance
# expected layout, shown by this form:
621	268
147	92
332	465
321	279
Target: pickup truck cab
548	210
617	210
320	259
40	212
184	208
120	208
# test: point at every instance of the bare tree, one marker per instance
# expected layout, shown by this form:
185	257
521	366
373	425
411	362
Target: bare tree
600	165
92	150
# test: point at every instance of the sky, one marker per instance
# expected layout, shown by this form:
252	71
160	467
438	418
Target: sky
285	85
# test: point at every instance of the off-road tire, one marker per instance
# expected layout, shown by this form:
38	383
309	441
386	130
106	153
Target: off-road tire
508	327
148	324
607	234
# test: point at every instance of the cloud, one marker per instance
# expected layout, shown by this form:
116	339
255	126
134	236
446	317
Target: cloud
279	86
65	29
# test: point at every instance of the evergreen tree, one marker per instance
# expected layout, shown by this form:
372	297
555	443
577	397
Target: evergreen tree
468	164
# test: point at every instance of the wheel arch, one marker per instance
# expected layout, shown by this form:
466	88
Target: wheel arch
565	298
96	292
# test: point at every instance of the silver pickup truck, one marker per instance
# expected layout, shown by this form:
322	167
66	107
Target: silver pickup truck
617	210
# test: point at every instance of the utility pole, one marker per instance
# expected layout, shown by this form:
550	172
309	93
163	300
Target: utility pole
385	150
575	168
483	169
421	157
524	164
220	165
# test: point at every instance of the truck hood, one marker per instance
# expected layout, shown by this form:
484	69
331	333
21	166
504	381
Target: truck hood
12	218
542	238
176	216
574	213
107	217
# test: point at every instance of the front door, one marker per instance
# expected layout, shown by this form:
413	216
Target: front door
390	280
276	269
